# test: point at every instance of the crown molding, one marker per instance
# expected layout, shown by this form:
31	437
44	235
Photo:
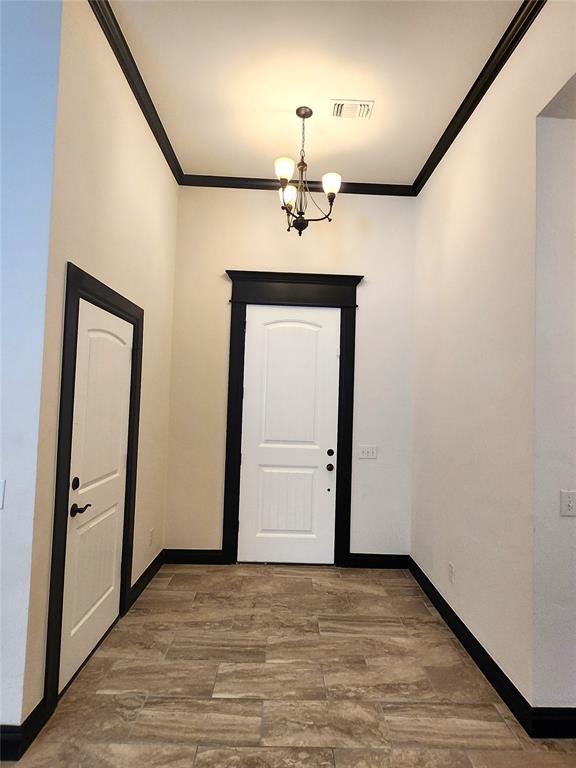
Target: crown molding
247	182
111	28
516	30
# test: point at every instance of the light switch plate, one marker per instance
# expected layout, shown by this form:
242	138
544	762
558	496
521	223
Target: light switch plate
368	452
2	490
567	503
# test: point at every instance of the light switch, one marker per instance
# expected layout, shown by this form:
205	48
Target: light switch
368	452
2	489
567	503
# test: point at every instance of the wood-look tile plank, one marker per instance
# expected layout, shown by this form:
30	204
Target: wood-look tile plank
47	754
338	648
199	721
218	646
427	652
461	682
401	757
536	759
270	681
160	581
347	624
426	626
306	603
222	582
86	754
97	717
164	600
263	757
276	585
191	679
398	681
402	607
140	755
323	724
375	574
463	726
126	642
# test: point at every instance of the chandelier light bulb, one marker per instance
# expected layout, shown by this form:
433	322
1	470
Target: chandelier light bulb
331	183
288	194
284	168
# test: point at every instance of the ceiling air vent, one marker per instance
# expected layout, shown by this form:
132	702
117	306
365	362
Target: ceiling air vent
352	108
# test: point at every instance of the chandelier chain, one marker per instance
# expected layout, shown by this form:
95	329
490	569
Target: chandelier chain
303	138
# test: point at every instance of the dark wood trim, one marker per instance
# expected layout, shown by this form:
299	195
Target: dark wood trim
196	557
234	431
517	28
290	289
293	289
248	182
111	28
345	422
538	722
553	723
362	560
81	285
143	580
15	739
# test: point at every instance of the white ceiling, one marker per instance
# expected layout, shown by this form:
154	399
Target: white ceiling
226	78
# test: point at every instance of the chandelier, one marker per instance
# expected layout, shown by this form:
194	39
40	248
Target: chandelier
295	199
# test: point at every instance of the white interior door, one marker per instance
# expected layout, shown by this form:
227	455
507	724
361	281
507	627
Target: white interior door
99	448
289	423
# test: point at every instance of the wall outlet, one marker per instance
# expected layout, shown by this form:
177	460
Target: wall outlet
368	452
567	503
150	537
451	573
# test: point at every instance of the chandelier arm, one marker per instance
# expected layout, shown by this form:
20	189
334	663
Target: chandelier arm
311	196
323	218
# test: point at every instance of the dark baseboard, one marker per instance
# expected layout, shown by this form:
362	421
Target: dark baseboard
144	579
196	557
358	560
538	722
15	739
553	723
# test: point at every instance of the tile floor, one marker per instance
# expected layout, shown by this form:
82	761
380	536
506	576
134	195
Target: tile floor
285	667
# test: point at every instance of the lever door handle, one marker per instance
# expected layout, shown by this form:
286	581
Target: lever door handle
330	467
76	510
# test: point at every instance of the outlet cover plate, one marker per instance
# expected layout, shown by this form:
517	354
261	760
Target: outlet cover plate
368	452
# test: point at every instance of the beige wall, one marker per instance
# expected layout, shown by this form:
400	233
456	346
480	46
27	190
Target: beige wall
114	215
474	391
237	229
555	413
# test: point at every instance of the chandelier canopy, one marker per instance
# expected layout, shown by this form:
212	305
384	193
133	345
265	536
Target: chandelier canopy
295	199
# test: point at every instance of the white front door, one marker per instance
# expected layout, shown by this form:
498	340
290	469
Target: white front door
98	483
289	426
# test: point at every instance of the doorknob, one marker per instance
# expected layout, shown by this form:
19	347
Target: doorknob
76	510
330	467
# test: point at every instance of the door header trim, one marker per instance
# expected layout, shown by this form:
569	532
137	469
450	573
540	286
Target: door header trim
293	288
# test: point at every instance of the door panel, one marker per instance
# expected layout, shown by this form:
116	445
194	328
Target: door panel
98	459
290	421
